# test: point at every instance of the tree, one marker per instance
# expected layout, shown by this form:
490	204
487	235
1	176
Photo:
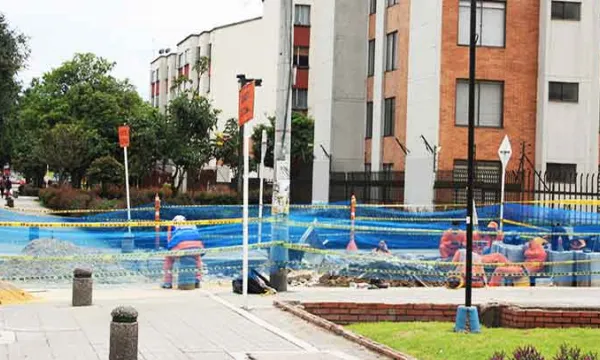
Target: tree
301	146
81	92
200	67
191	119
105	171
226	146
69	149
13	55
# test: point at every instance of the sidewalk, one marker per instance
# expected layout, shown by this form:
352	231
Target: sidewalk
173	325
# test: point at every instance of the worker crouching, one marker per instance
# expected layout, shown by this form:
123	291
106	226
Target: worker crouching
458	280
179	238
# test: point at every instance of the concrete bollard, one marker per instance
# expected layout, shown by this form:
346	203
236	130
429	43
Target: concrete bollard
124	334
82	287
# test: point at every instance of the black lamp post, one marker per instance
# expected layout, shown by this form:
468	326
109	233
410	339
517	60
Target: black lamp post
471	153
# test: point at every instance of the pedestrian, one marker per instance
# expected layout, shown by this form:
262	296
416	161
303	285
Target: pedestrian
7	186
179	238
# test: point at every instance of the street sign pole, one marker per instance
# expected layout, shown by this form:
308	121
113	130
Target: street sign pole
127	243
263	151
246	114
504	152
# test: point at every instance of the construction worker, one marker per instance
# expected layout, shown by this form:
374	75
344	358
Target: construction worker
577	245
382	249
182	237
478	279
452	240
493	235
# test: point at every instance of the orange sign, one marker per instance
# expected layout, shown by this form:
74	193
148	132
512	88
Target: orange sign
246	111
124	136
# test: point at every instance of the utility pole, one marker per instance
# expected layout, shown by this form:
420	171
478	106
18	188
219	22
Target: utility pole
283	124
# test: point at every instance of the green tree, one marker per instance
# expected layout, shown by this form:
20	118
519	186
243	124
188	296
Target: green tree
226	145
301	143
191	119
81	92
105	171
13	55
69	149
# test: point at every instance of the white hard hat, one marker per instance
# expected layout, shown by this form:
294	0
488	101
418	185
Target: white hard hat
179	218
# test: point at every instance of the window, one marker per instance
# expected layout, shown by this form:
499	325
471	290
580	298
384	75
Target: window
157	76
566	92
198	53
391	51
372	6
157	98
388	168
300	99
489	103
491	31
181	60
391	2
301	57
302	15
167	77
371	59
564	10
562	173
389	117
369	130
486	172
187	57
367	167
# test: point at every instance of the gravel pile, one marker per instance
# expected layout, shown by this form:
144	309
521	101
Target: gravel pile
43	269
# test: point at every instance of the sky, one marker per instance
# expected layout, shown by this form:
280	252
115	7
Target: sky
128	32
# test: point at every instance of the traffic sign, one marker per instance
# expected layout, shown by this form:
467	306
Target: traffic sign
505	151
246	110
124	136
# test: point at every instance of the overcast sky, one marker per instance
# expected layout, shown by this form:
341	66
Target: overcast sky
129	32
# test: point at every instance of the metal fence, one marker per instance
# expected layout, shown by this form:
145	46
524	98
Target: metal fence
556	190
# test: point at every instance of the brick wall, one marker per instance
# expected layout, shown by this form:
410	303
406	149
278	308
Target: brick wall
346	313
545	318
516	65
508	316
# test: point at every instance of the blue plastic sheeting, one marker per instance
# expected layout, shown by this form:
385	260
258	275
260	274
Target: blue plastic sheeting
399	228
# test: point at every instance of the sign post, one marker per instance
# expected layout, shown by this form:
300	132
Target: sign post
127	244
263	152
504	152
246	113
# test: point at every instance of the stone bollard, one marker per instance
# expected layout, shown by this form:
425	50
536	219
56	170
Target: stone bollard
82	287
124	334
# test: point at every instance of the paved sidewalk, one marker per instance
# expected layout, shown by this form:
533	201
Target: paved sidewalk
173	325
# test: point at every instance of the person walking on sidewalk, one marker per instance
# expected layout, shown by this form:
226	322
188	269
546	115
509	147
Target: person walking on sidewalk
179	238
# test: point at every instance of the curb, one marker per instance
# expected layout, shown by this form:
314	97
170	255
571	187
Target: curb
296	309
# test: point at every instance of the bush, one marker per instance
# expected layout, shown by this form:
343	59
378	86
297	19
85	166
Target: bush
207	198
29	190
566	353
66	198
530	353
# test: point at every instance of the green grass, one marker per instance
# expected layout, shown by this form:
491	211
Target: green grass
434	341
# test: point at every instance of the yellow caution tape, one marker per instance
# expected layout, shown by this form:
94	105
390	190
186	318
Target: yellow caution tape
122	223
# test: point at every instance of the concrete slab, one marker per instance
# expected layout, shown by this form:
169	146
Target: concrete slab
173	325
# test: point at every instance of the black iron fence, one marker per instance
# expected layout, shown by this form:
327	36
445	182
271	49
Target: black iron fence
558	190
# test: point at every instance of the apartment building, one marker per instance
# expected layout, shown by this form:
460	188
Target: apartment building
327	35
538	81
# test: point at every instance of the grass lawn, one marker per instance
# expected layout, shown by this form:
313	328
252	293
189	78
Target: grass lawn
433	341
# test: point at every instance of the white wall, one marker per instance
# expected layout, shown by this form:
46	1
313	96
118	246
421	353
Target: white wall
320	93
423	99
569	52
378	86
237	50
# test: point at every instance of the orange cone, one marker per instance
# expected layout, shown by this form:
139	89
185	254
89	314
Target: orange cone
352	246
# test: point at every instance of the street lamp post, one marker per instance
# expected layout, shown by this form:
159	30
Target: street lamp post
467	318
